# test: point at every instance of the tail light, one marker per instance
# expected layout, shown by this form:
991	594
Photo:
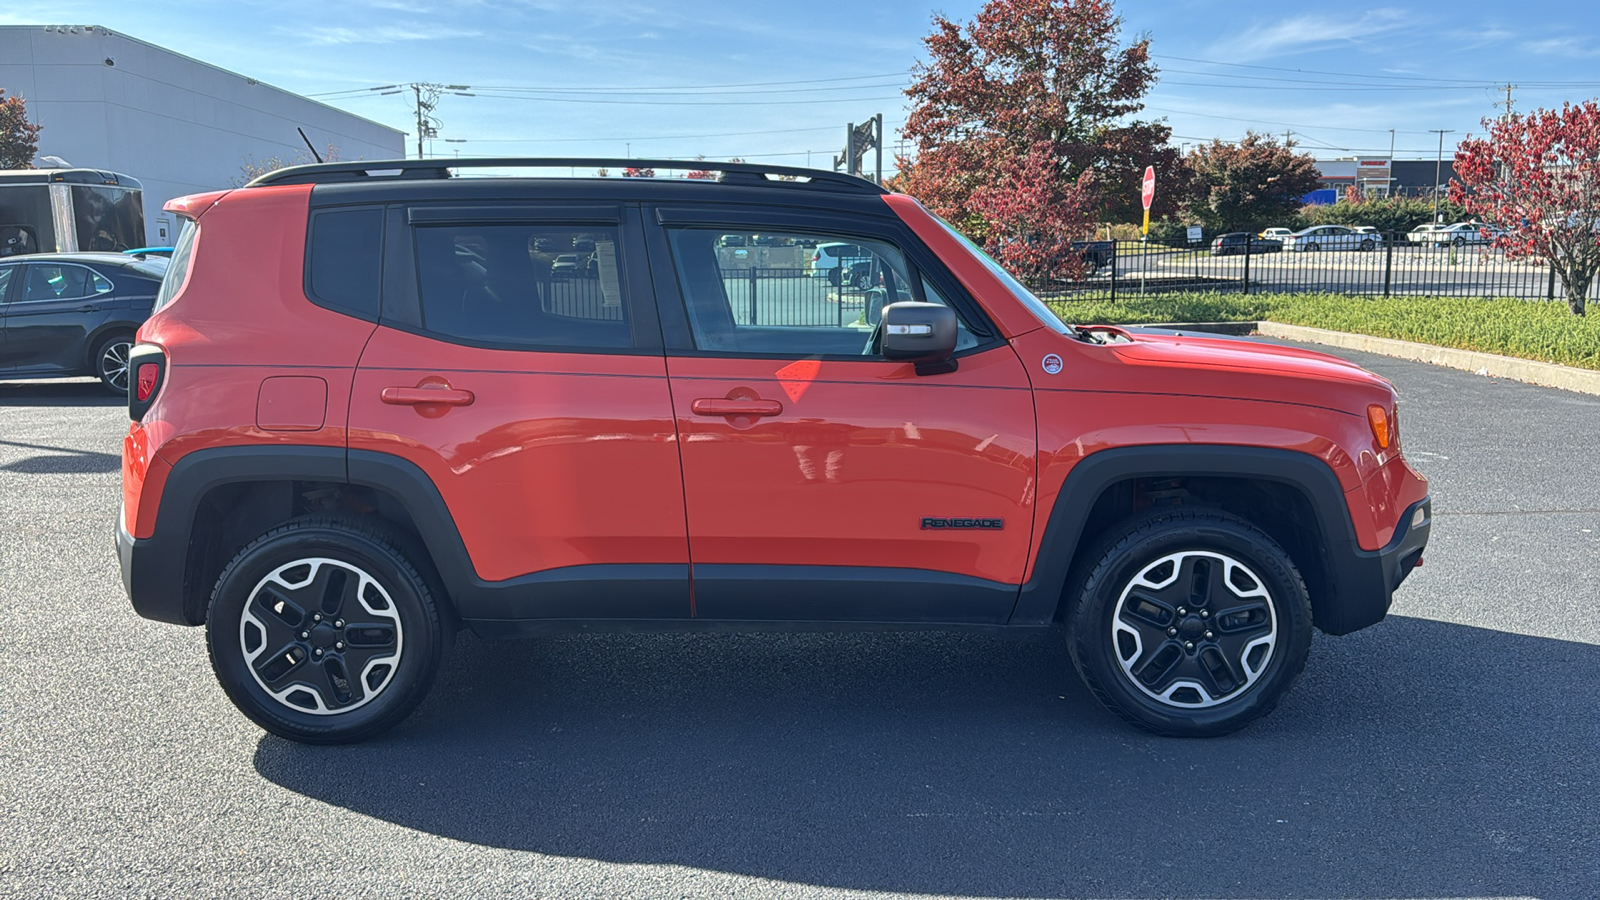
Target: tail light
149	366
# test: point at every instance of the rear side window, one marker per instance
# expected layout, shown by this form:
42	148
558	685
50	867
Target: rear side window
549	287
53	282
178	268
346	261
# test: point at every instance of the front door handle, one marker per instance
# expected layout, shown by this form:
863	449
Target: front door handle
722	406
404	396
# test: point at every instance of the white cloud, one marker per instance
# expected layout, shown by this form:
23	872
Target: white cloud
380	34
1307	31
1574	47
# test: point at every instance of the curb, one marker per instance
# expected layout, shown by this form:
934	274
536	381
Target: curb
1567	378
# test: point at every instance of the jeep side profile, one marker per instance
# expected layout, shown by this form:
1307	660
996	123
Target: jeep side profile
367	412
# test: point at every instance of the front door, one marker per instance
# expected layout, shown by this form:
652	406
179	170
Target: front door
50	314
823	482
518	364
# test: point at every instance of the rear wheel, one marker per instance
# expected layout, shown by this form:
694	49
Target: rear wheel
1313	248
323	631
1368	246
111	362
1190	623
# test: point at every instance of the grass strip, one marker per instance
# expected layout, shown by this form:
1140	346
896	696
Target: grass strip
1539	330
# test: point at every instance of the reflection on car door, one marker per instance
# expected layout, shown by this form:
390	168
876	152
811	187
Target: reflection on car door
535	399
821	481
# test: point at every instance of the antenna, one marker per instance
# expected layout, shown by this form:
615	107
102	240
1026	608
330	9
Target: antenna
314	154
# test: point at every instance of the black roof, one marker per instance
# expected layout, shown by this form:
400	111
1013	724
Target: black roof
66	176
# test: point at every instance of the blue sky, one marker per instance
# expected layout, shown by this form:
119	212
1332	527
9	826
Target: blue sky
773	81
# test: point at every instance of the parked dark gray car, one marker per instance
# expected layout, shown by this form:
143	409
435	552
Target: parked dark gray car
74	313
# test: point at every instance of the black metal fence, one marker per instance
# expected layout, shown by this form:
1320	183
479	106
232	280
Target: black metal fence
1371	264
792	297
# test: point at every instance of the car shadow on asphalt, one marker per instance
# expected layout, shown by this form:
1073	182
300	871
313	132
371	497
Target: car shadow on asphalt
61	392
60	461
1417	758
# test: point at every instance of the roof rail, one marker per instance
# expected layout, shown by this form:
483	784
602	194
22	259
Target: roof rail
409	169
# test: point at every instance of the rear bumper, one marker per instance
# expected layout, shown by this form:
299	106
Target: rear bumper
153	579
1365	580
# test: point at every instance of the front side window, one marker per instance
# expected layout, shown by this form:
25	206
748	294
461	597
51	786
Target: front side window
53	282
551	287
792	293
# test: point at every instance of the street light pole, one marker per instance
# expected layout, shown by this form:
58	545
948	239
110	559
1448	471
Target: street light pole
1438	168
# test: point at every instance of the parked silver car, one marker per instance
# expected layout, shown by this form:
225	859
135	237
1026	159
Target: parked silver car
1331	237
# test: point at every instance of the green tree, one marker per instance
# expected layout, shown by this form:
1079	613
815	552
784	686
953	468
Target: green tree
1246	186
19	138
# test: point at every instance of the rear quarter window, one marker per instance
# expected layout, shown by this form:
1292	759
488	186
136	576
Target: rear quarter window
178	268
345	258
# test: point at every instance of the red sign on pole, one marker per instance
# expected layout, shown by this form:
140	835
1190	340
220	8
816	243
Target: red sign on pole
1149	192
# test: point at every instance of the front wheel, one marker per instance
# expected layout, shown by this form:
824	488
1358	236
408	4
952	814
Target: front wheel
1190	623
1368	246
1313	248
323	631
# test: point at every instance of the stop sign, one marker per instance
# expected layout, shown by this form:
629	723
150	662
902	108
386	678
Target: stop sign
1149	192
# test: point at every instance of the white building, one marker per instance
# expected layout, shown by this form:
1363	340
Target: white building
178	125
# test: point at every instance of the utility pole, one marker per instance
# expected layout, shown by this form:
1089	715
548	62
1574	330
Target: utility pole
1510	110
427	97
1388	184
1438	168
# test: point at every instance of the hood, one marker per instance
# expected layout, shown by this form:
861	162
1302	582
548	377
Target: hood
1214	362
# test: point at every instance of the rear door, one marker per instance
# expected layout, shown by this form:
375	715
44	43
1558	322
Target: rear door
534	397
8	277
824	482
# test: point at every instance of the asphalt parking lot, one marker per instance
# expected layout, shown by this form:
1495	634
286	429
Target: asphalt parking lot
1448	752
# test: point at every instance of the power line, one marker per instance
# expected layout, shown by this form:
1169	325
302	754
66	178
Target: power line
686	102
630	89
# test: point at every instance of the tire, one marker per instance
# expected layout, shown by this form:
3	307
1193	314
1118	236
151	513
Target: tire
286	596
1368	246
110	362
1313	248
1459	242
861	281
1194	683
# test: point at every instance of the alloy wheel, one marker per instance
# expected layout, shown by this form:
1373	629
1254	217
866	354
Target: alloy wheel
114	364
321	636
1194	629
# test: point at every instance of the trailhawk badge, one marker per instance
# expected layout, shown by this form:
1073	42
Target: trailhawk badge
1051	364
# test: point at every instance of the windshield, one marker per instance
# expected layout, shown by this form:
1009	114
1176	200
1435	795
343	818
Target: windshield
1024	296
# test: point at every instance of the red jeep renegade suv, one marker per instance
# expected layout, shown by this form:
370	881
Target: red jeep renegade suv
378	402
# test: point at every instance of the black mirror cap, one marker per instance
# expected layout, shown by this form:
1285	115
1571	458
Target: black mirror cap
921	333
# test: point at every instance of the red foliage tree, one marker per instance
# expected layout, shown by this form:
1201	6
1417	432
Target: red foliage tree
632	172
1040	88
1537	177
19	139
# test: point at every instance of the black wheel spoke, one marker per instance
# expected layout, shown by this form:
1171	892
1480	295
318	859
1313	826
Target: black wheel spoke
1160	667
1251	617
275	666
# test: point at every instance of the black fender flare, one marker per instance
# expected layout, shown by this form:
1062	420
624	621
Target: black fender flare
1345	608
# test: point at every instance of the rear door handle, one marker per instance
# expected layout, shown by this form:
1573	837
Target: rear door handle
404	396
721	406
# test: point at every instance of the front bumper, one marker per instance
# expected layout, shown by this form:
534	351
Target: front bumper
1364	581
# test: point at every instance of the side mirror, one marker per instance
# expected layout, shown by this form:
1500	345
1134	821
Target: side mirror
921	333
